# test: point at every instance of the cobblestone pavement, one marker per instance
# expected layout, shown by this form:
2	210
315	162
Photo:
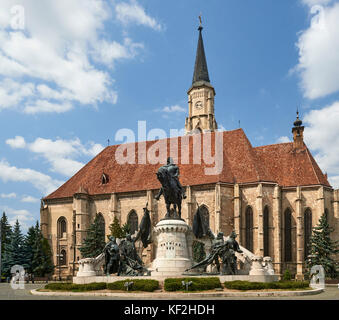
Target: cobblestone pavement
7	293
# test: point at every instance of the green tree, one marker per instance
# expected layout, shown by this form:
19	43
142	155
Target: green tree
94	243
14	251
116	230
323	248
126	229
42	255
30	242
6	232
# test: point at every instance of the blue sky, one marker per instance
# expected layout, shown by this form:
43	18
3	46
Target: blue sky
74	72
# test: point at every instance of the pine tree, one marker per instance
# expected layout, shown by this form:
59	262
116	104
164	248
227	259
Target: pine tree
30	242
6	232
14	251
48	261
94	243
42	255
116	230
322	248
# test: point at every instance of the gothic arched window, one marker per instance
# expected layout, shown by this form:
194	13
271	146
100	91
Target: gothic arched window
307	231
205	213
266	232
62	227
132	221
63	257
249	229
101	222
288	235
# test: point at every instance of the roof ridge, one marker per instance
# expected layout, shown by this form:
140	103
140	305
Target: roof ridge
273	144
310	157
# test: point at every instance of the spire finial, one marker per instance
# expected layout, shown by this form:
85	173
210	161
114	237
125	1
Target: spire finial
298	122
200	22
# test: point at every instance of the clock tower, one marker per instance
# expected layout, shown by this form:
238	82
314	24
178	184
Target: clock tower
200	96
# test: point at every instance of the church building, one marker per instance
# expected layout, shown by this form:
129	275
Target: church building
270	195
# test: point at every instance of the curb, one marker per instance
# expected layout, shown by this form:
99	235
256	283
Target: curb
176	296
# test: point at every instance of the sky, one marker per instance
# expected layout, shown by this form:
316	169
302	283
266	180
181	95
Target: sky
75	72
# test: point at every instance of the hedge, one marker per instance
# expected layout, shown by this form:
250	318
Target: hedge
138	285
76	287
246	285
198	284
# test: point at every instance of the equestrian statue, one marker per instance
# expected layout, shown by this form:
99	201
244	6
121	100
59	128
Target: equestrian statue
171	189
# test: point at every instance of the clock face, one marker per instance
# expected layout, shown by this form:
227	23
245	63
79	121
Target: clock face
198	105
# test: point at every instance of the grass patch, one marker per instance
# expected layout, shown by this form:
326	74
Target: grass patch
198	284
246	285
138	285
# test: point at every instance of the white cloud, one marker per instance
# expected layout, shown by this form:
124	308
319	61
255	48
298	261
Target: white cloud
40	181
133	13
12	93
312	3
59	153
283	139
30	199
8	195
318	46
25	218
108	52
322	137
17	143
43	106
57	50
171	109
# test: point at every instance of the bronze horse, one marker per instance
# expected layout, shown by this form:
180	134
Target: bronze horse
170	191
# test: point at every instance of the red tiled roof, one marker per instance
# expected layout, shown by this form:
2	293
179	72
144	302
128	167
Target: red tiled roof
242	163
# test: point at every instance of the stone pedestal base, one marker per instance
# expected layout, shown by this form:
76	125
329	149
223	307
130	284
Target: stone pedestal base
172	255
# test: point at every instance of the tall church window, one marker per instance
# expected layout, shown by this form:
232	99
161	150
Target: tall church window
62	227
132	221
249	229
63	256
205	213
288	235
266	232
101	222
307	231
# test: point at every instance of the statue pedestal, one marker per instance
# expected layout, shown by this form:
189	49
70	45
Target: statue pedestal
172	255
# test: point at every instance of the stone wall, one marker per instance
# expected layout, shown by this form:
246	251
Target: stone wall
226	205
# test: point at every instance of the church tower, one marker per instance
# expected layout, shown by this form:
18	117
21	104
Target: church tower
298	133
200	95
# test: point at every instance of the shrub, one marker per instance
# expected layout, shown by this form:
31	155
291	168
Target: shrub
138	285
198	284
246	285
287	276
76	287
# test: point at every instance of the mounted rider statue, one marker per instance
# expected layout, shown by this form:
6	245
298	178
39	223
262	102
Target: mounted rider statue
171	189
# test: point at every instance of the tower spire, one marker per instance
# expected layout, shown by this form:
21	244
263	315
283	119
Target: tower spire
200	95
200	68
